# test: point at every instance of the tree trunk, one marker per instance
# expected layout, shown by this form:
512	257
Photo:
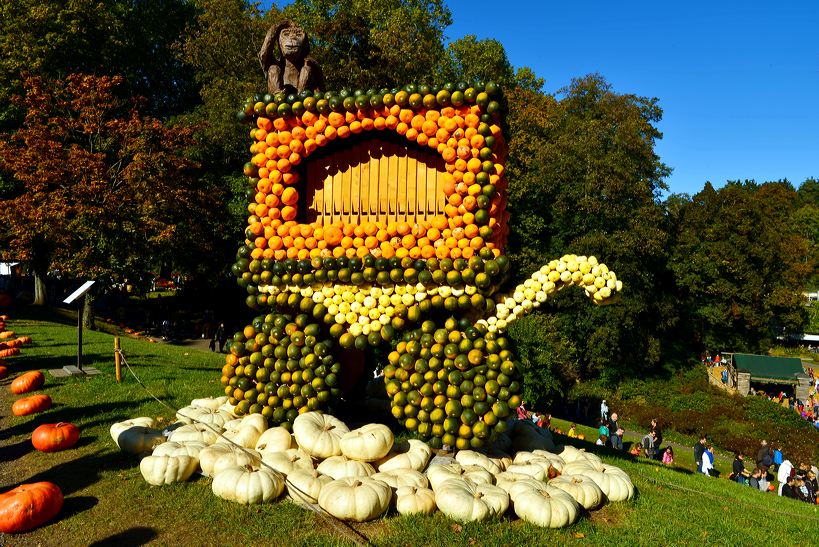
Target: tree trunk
39	288
88	311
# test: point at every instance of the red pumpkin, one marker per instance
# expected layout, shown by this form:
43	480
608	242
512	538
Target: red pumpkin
30	381
581	436
4	372
9	352
55	437
29	506
31	405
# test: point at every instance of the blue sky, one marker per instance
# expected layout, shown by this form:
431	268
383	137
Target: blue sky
738	80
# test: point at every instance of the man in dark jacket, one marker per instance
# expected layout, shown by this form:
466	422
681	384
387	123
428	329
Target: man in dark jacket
699	450
615	432
788	489
738	471
763	457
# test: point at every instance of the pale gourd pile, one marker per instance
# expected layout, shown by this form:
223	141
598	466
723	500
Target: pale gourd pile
362	474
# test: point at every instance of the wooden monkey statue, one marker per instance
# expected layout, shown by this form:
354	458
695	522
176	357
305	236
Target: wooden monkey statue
294	71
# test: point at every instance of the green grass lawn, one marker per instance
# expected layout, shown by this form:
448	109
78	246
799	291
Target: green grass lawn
108	501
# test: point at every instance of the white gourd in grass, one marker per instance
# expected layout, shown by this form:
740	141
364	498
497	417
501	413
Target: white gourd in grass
570	454
212	403
245	485
341	466
197	414
440	473
585	491
275	439
288	461
616	485
355	499
549	508
206	434
304	486
465	501
504	480
470	457
402	477
531	469
407	454
136	436
319	434
579	467
171	448
160	470
368	443
414	500
216	457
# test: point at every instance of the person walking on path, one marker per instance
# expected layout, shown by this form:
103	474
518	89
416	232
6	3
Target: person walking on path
699	450
763	457
220	336
615	432
604	411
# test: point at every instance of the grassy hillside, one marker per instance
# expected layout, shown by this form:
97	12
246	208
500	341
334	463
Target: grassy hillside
673	505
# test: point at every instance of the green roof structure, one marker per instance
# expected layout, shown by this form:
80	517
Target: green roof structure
767	368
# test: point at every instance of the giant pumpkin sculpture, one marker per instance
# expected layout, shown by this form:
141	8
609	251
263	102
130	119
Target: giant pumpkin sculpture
379	218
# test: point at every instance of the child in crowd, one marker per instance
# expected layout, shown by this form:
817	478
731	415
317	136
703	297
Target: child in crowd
572	431
635	449
601	441
668	456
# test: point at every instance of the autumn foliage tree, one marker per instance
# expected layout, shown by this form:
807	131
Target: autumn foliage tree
105	191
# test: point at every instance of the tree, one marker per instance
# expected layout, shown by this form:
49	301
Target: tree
584	178
809	192
739	266
475	60
107	192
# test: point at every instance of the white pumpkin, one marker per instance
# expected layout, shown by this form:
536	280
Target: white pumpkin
206	434
159	470
247	485
544	463
197	414
533	470
549	508
505	479
212	403
437	474
407	454
135	436
414	500
289	460
216	457
524	485
341	466
367	443
579	467
304	486
244	432
171	448
466	501
402	477
470	457
319	434
616	485
275	439
585	491
356	499
556	461
229	408
570	454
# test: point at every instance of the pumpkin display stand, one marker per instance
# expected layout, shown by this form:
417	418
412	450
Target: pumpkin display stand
376	223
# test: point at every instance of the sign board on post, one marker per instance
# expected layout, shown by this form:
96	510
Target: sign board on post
77	370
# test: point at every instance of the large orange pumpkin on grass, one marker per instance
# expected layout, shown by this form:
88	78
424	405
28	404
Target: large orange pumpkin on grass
4	372
55	437
30	381
29	506
31	405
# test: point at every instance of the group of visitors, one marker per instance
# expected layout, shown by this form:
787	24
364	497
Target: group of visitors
609	432
540	420
794	482
808	409
711	361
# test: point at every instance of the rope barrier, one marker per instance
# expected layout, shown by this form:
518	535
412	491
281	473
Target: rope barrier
341	526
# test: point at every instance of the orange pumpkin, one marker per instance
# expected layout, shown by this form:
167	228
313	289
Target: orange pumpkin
55	437
30	381
4	372
9	352
6	334
29	506
31	405
24	339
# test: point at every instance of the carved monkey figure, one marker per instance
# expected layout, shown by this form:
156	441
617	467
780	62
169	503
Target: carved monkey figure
295	70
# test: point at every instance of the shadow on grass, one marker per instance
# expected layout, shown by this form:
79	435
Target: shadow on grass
25	363
75	415
17	450
76	475
77	504
132	537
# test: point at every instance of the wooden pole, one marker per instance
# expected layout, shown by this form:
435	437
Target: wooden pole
117	359
79	332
